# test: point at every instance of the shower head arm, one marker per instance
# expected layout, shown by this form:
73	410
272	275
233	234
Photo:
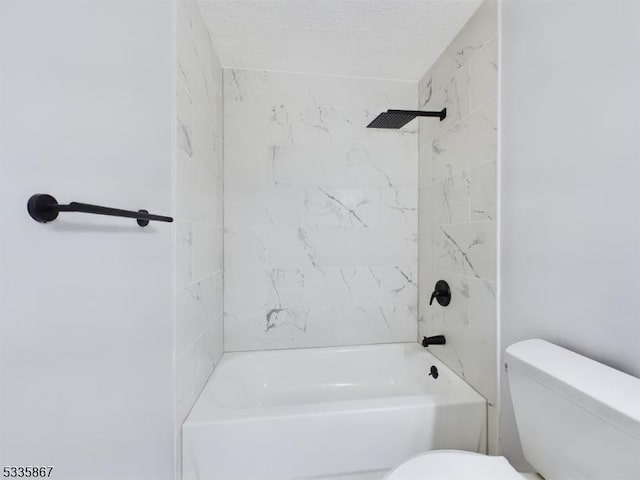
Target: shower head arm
442	114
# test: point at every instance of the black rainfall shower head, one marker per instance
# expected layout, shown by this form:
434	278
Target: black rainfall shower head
391	120
399	118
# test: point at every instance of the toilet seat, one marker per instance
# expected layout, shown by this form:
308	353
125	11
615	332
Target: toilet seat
454	465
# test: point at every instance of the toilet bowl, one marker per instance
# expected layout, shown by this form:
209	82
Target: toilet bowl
576	418
454	465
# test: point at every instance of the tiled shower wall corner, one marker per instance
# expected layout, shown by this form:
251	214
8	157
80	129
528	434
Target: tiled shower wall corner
199	211
320	212
458	204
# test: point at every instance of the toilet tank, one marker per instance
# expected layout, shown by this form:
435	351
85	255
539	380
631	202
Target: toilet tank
577	418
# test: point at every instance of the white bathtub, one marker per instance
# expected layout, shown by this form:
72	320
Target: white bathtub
317	412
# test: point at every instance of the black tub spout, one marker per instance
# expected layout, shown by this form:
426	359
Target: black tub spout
436	340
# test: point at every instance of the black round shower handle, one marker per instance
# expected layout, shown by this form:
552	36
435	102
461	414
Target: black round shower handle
442	293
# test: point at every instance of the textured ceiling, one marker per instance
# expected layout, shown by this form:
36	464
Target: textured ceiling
393	39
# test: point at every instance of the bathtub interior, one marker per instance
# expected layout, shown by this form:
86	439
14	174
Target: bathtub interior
308	376
334	413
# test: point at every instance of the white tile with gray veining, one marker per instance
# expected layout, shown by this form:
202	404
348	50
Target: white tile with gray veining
321	213
245	248
483	185
466	248
199	210
328	207
469	142
260	329
457	202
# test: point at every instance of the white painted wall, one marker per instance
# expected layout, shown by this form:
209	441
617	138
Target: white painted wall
86	327
570	171
320	212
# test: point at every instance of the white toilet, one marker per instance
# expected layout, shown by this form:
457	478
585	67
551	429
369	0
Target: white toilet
577	419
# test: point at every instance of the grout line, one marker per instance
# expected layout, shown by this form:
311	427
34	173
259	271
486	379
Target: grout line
482	48
316	74
437	180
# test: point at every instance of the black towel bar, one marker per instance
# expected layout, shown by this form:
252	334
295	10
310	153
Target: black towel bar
44	208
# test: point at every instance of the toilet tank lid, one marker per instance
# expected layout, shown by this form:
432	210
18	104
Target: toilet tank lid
604	391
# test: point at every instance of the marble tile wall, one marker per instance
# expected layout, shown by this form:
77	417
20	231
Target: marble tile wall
320	212
457	193
199	210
